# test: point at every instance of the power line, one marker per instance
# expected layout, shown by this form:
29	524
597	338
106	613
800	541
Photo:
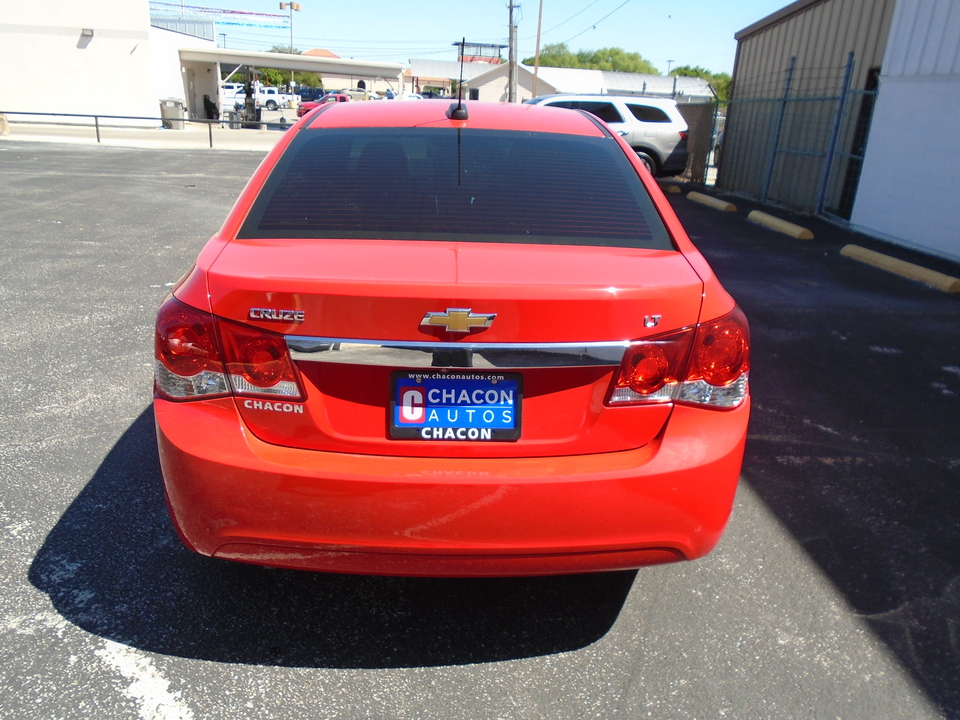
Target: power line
594	26
579	12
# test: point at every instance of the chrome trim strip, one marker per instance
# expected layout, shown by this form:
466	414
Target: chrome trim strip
440	354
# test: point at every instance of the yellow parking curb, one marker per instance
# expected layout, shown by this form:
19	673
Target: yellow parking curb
670	189
713	202
937	280
781	226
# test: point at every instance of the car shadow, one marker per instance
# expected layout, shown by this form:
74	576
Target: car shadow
113	566
853	440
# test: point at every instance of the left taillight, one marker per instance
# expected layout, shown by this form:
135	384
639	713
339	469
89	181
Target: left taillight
193	363
186	350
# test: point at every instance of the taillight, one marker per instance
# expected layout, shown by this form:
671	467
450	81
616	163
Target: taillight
707	365
258	362
192	364
720	363
683	135
652	369
185	347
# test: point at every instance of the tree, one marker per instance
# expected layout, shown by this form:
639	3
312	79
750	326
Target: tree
559	55
272	76
720	82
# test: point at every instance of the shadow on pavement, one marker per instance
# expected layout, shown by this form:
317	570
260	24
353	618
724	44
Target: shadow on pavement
113	566
854	439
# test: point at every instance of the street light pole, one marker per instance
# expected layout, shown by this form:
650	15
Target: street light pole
293	6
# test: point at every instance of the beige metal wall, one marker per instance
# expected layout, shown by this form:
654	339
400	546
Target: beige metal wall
820	34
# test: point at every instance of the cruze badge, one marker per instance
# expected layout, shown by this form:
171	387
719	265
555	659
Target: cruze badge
276	315
458	320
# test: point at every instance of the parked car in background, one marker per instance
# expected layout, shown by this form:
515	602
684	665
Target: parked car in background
310	94
653	127
267	97
356	93
228	91
441	339
306	107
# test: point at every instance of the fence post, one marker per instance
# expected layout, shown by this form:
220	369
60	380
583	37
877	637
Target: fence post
96	122
835	135
776	135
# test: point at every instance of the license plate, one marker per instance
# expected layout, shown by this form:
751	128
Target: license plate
457	406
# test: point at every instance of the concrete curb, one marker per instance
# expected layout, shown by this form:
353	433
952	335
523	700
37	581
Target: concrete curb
932	278
781	226
670	189
712	202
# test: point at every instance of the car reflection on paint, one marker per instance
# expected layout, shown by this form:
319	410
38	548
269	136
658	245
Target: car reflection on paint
484	346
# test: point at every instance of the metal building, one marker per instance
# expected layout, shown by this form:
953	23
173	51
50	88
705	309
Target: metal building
803	90
909	189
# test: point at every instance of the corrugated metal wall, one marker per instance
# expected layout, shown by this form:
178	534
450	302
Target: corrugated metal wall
776	142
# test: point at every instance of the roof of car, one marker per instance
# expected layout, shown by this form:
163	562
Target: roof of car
645	99
481	115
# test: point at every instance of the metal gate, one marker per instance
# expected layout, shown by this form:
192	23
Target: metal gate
803	147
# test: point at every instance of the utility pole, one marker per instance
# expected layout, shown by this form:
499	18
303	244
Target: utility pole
536	61
512	83
293	6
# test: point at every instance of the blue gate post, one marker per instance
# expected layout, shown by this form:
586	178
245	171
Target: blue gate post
776	134
835	135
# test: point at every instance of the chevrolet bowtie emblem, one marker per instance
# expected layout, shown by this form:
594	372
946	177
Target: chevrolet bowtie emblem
458	320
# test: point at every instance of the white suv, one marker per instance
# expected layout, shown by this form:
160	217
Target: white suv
653	127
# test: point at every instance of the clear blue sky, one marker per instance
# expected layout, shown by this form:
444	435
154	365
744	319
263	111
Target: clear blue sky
668	33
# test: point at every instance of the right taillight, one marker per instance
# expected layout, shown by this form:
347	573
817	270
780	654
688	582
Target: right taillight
707	365
718	372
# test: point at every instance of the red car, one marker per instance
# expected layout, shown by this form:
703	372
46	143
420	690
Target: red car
305	107
483	346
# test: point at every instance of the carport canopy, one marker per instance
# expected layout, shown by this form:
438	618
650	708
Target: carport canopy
286	61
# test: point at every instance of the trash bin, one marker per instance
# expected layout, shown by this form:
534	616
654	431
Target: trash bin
233	119
171	113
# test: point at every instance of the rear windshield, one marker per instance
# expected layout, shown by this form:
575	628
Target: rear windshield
456	185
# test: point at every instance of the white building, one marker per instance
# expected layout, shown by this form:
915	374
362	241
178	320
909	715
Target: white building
910	184
103	57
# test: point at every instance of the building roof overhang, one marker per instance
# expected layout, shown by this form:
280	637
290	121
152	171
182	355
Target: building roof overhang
286	61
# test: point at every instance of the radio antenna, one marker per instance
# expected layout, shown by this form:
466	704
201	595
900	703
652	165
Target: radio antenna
458	111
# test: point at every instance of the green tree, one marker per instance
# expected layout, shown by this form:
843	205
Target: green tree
720	82
559	55
272	76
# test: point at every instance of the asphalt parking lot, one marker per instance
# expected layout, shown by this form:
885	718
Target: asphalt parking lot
835	592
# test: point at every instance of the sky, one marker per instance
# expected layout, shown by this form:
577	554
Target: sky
668	33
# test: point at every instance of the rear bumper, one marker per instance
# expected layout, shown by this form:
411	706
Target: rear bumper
232	496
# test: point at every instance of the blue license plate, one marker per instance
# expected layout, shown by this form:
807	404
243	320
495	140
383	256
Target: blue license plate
455	406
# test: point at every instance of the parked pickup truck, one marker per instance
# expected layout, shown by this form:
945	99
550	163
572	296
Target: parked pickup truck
268	97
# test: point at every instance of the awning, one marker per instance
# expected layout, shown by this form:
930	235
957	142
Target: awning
285	61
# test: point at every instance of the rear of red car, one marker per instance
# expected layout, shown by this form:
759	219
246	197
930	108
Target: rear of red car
480	346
